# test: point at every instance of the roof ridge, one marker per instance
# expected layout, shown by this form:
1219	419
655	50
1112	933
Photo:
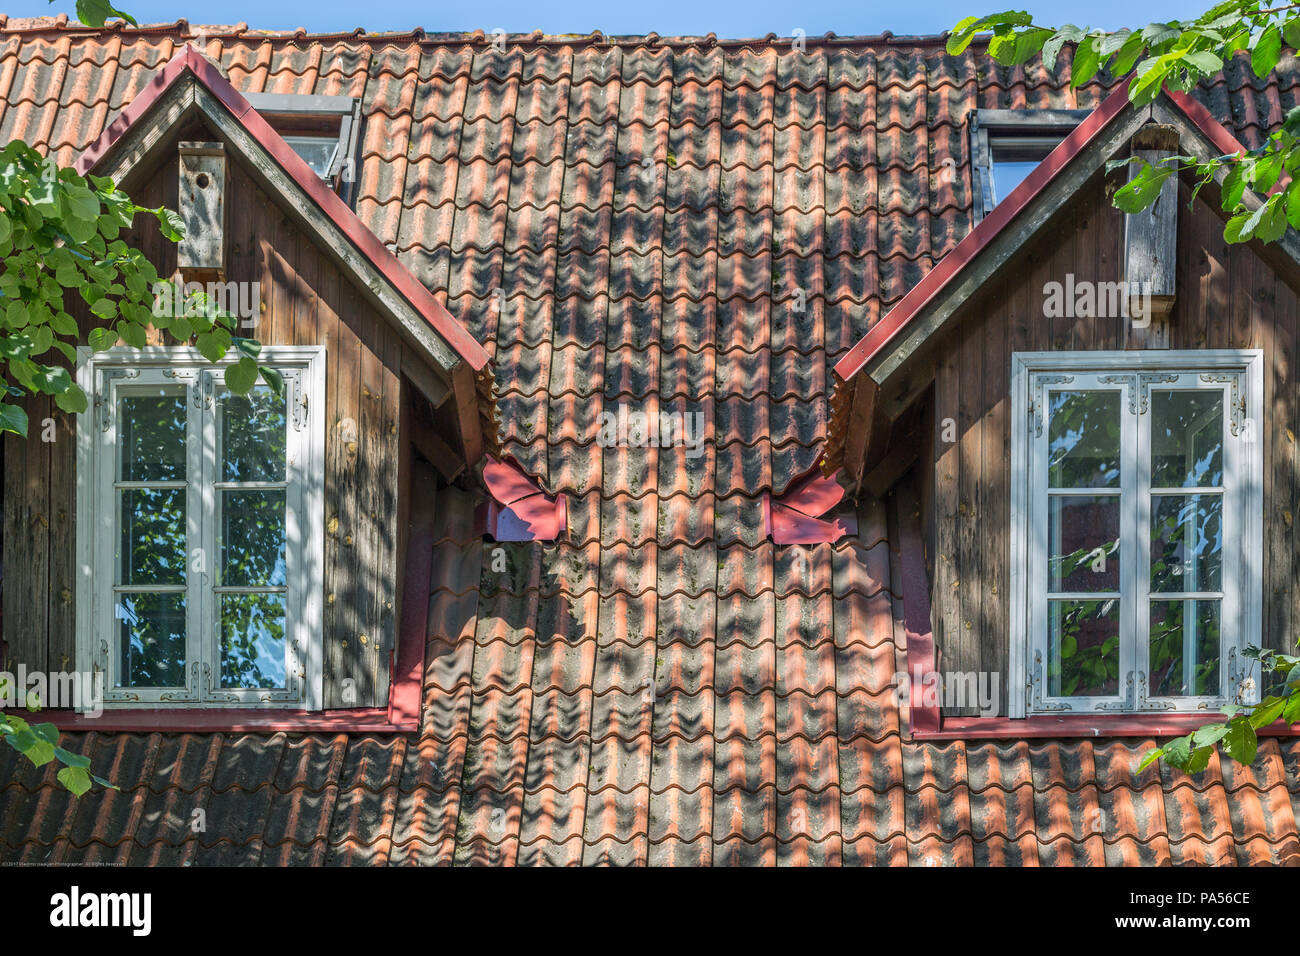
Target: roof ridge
182	27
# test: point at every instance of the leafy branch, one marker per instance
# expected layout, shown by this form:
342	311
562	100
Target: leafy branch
39	743
1237	736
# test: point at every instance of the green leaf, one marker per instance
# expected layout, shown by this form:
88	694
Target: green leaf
1291	33
242	376
1128	55
133	334
1266	51
1198	760
101	339
1151	757
1178	752
213	345
47	732
13	419
1291	712
1267	223
171	224
1268	710
93	13
73	400
1143	188
1240	743
16	315
1209	734
1204	61
6	226
68	758
1086	62
105	308
274	379
80	203
64	324
75	778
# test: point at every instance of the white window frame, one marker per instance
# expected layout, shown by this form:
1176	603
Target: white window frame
101	374
1239	373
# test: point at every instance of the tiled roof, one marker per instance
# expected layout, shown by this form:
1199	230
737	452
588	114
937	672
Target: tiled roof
665	685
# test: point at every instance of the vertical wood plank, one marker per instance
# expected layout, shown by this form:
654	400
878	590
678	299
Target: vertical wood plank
27	540
63	535
343	451
971	548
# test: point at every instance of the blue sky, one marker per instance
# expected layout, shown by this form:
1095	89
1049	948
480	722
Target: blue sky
727	18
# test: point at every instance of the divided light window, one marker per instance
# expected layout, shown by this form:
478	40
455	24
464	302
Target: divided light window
1136	527
199	531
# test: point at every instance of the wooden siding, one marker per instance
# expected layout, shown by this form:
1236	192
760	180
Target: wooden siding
304	302
1228	297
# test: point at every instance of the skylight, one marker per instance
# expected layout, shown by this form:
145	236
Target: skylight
1007	145
323	130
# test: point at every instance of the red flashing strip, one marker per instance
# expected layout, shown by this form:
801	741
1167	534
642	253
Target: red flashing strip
361	720
795	517
405	688
1081	725
189	59
519	509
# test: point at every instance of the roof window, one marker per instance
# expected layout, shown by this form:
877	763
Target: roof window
323	130
1006	145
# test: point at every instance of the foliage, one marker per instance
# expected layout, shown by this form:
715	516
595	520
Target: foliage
1236	736
39	743
1177	55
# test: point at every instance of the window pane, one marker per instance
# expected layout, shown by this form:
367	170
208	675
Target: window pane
1083	440
1083	648
153	536
152	435
1008	175
1083	536
252	640
253	538
152	639
1185	648
253	436
1186	542
1186	439
316	151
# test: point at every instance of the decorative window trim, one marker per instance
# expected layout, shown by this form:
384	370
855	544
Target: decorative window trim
1241	372
96	525
280	109
991	130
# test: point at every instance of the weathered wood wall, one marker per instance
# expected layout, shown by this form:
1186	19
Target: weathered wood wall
1227	297
305	302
